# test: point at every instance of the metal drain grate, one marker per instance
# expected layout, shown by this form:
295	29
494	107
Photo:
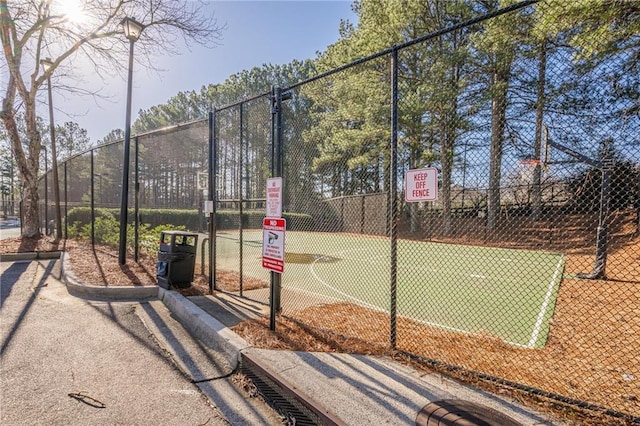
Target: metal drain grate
293	402
457	412
273	394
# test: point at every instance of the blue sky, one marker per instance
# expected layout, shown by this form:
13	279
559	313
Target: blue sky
258	32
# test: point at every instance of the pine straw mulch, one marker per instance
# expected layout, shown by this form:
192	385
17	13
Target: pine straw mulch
327	329
98	265
27	245
586	339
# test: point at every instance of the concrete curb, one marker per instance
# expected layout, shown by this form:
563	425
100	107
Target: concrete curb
78	289
200	324
203	326
12	257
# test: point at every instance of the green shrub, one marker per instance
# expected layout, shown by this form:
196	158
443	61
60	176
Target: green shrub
299	221
252	219
170	219
149	238
106	230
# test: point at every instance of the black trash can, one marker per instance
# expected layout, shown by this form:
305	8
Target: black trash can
176	259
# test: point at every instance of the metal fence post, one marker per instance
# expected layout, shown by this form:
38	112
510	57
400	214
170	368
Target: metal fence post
93	205
66	206
46	192
393	195
276	171
210	196
136	207
240	193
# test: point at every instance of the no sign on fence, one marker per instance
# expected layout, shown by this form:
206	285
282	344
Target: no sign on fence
273	243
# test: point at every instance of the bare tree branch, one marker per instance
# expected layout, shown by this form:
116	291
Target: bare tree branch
32	29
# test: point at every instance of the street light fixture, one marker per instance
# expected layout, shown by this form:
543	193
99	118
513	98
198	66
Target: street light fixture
47	65
132	30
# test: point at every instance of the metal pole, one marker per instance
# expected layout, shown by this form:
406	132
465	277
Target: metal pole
136	218
393	190
276	171
122	249
54	166
46	189
211	197
93	205
240	194
66	222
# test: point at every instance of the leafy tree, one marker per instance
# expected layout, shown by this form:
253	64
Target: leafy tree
431	88
113	136
349	115
497	50
33	29
71	139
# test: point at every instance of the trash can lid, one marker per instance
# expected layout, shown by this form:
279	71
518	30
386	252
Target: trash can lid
183	233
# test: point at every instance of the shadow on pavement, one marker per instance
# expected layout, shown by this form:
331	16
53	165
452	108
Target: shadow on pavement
9	278
12	280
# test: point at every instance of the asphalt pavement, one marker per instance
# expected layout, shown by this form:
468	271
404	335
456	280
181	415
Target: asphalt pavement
71	361
9	232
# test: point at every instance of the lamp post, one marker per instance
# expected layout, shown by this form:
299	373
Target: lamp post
46	191
47	64
132	30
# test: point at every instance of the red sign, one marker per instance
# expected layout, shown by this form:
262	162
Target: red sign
273	229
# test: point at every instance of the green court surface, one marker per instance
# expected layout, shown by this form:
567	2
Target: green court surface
508	293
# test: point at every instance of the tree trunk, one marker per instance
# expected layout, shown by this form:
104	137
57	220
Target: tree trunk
536	190
498	124
450	122
30	209
447	166
27	167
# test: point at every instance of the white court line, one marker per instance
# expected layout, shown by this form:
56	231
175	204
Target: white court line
348	296
534	335
545	305
315	293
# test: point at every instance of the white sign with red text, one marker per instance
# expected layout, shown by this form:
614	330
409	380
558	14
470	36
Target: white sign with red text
273	229
274	197
421	185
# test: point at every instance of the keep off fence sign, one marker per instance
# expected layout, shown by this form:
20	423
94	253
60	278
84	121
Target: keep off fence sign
421	185
273	243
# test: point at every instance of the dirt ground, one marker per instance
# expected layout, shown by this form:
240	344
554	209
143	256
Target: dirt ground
591	355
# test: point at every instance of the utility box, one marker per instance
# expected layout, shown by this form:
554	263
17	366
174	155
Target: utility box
176	259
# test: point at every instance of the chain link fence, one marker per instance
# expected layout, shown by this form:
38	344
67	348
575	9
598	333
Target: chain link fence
477	213
477	208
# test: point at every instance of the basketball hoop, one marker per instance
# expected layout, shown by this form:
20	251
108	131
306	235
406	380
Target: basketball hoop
527	169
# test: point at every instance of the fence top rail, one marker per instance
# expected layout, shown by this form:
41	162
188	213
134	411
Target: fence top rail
161	131
243	101
171	129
